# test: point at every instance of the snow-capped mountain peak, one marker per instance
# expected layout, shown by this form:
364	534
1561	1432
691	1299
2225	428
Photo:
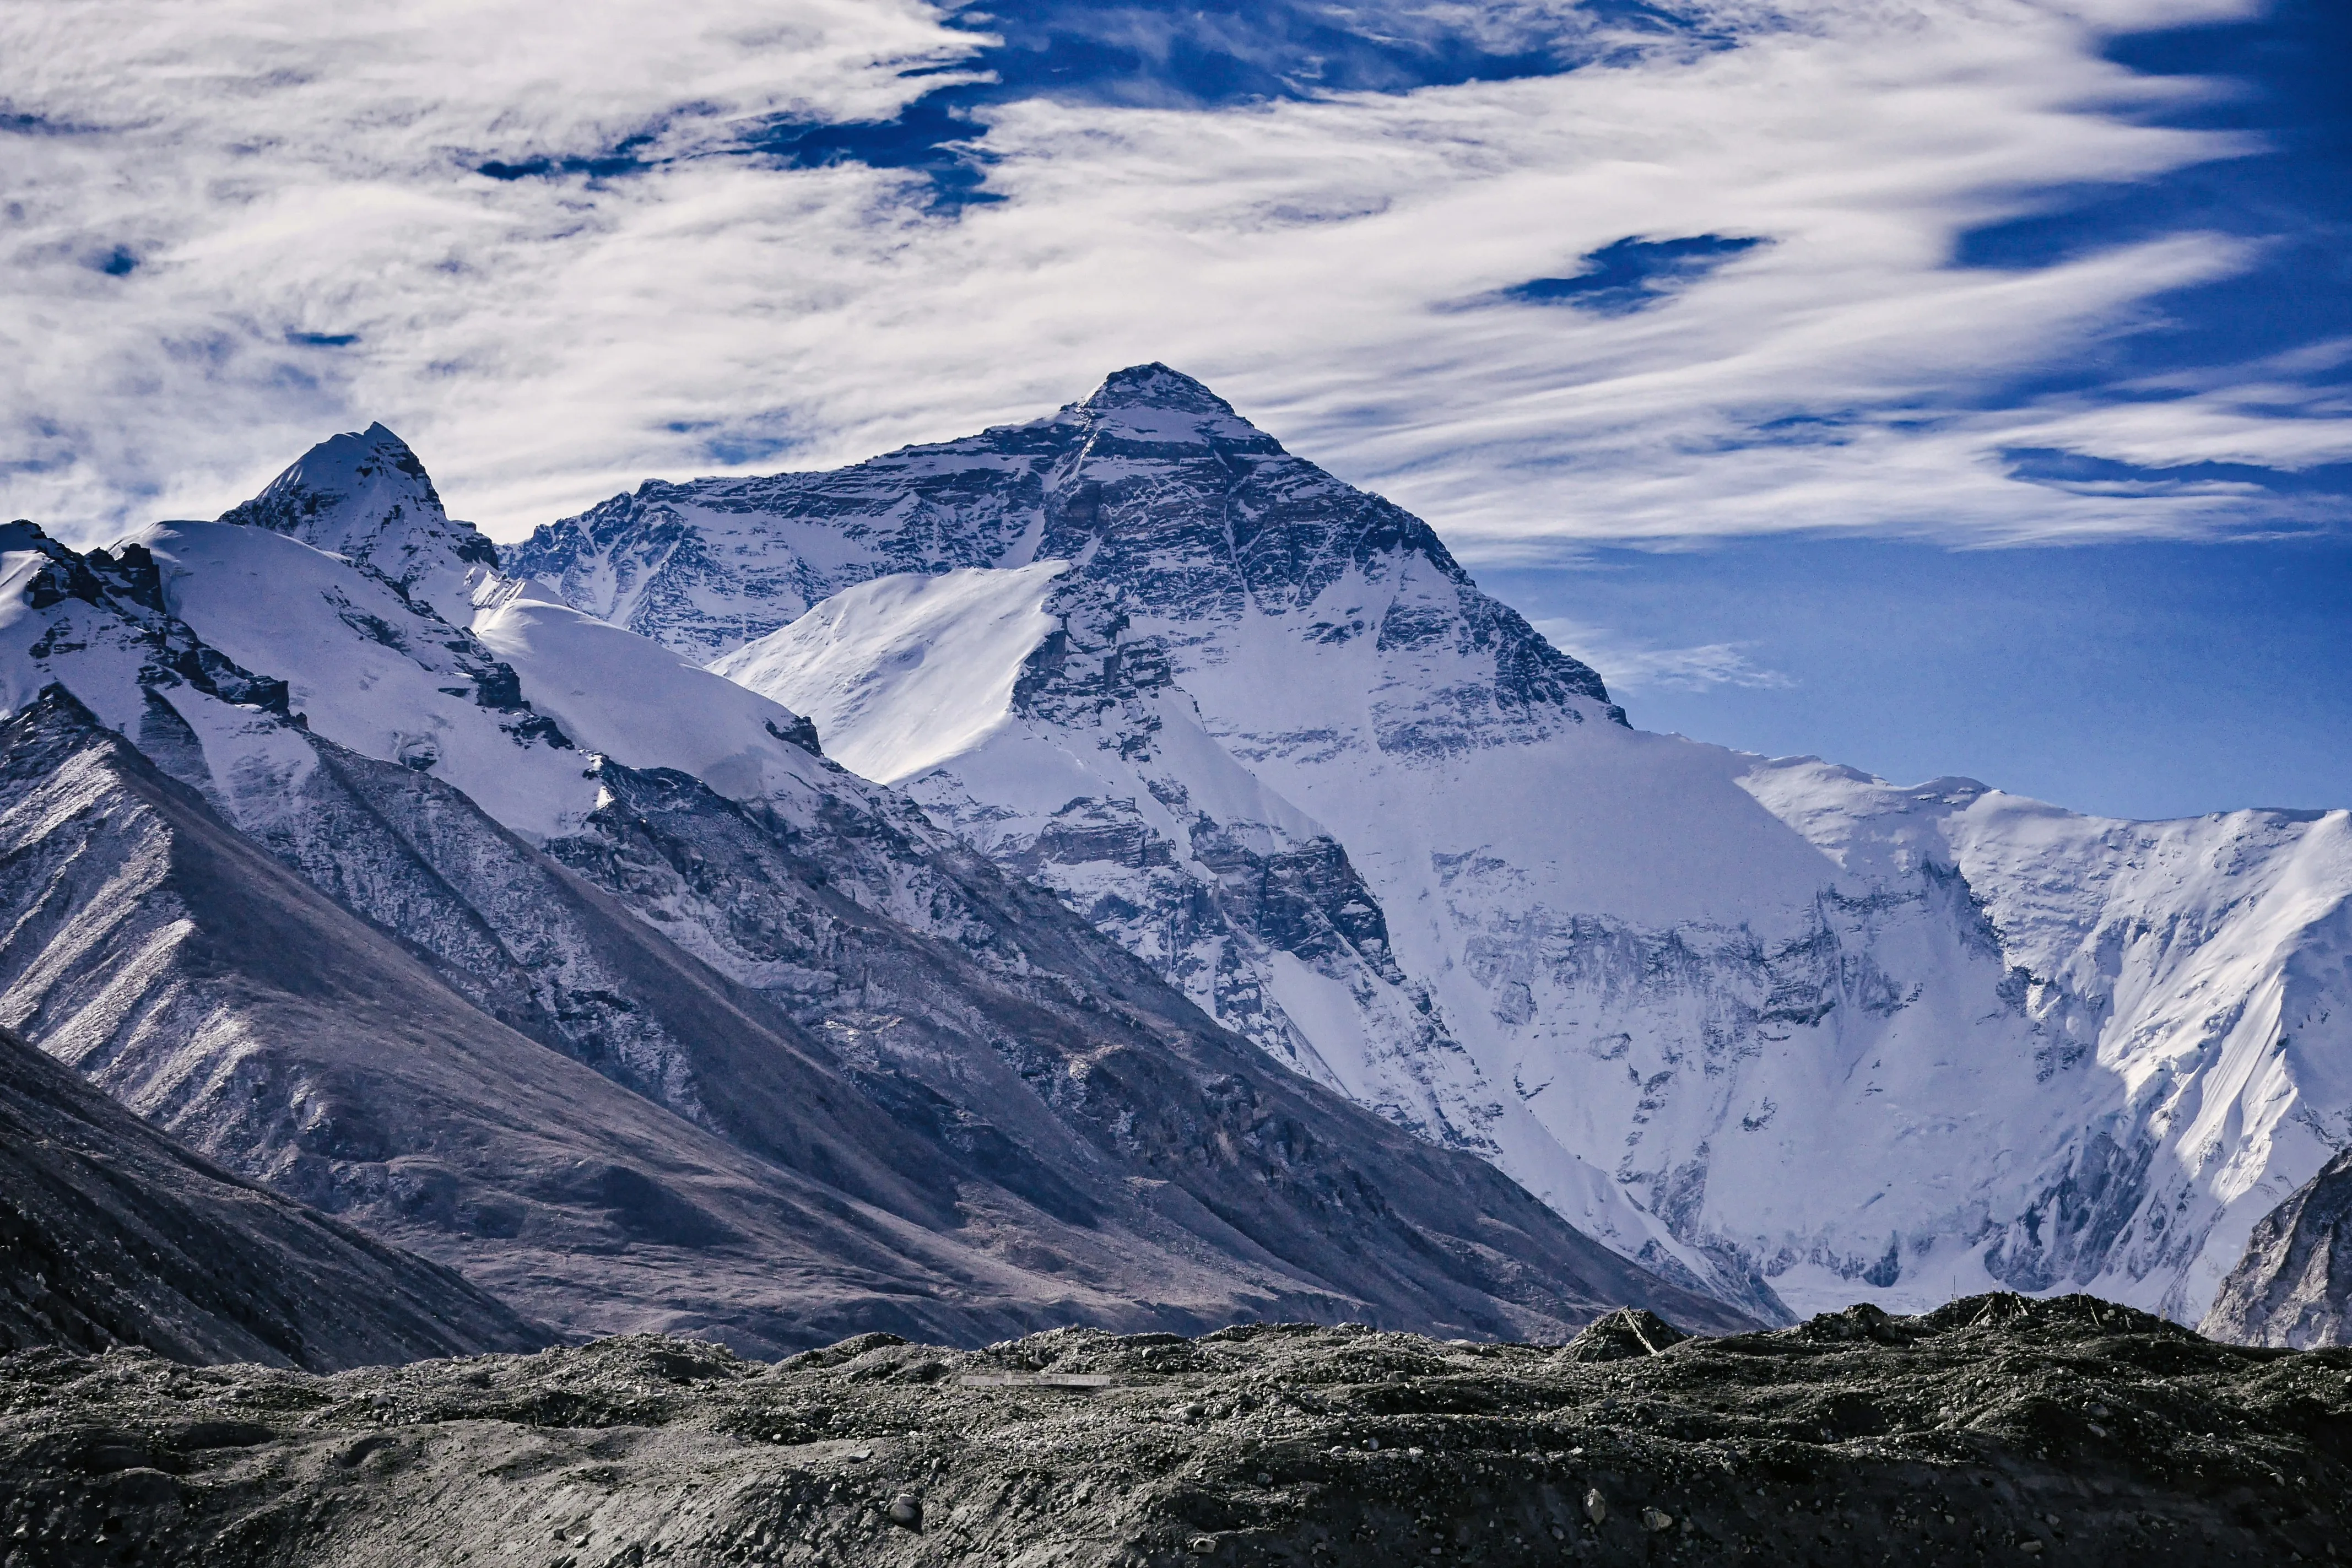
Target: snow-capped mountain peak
1154	406
1808	1027
364	496
923	1080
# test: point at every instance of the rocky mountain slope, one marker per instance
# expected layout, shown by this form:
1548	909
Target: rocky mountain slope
2294	1286
203	983
1786	1031
111	1235
535	948
1993	1430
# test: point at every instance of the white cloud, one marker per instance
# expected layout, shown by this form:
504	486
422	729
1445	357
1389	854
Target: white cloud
279	170
1630	666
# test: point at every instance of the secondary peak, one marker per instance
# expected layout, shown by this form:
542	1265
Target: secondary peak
364	494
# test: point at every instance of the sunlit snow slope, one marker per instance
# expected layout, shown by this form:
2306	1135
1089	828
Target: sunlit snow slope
909	670
1817	1032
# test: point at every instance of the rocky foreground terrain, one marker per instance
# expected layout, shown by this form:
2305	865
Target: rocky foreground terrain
1995	1429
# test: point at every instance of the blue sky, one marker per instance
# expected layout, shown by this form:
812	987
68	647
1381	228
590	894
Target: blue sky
1941	386
2141	678
2144	679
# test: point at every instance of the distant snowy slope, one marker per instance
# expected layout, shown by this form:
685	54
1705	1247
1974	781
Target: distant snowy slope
1818	1032
368	669
615	693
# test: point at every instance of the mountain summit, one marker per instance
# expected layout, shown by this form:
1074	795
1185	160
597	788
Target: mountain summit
1154	386
1152	479
1152	405
366	497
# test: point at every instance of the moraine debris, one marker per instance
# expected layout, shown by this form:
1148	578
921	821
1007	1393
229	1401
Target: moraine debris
1821	1445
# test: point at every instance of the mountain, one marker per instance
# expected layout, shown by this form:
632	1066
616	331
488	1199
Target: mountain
1788	1032
110	1234
530	945
366	498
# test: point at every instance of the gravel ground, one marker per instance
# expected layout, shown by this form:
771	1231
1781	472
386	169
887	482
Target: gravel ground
1996	1429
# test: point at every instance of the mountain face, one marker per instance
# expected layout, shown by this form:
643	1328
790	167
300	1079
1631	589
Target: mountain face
190	974
1786	1031
112	1235
523	941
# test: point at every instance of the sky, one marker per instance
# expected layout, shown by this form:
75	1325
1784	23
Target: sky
1944	386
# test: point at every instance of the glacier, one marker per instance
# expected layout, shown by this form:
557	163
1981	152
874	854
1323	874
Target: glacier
1786	1032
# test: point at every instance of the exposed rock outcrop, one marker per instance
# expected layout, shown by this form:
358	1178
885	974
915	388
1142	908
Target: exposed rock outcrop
2294	1286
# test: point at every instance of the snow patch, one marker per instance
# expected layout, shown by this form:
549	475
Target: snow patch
902	673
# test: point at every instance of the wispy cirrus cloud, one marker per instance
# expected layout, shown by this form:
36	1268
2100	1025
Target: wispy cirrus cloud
234	232
1629	665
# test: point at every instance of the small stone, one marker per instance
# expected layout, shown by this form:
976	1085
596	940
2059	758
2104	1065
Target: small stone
1596	1507
907	1511
1201	1545
2050	1520
1656	1519
1264	1479
2029	1547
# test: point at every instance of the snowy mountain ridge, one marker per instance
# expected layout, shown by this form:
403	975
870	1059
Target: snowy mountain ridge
1779	1027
